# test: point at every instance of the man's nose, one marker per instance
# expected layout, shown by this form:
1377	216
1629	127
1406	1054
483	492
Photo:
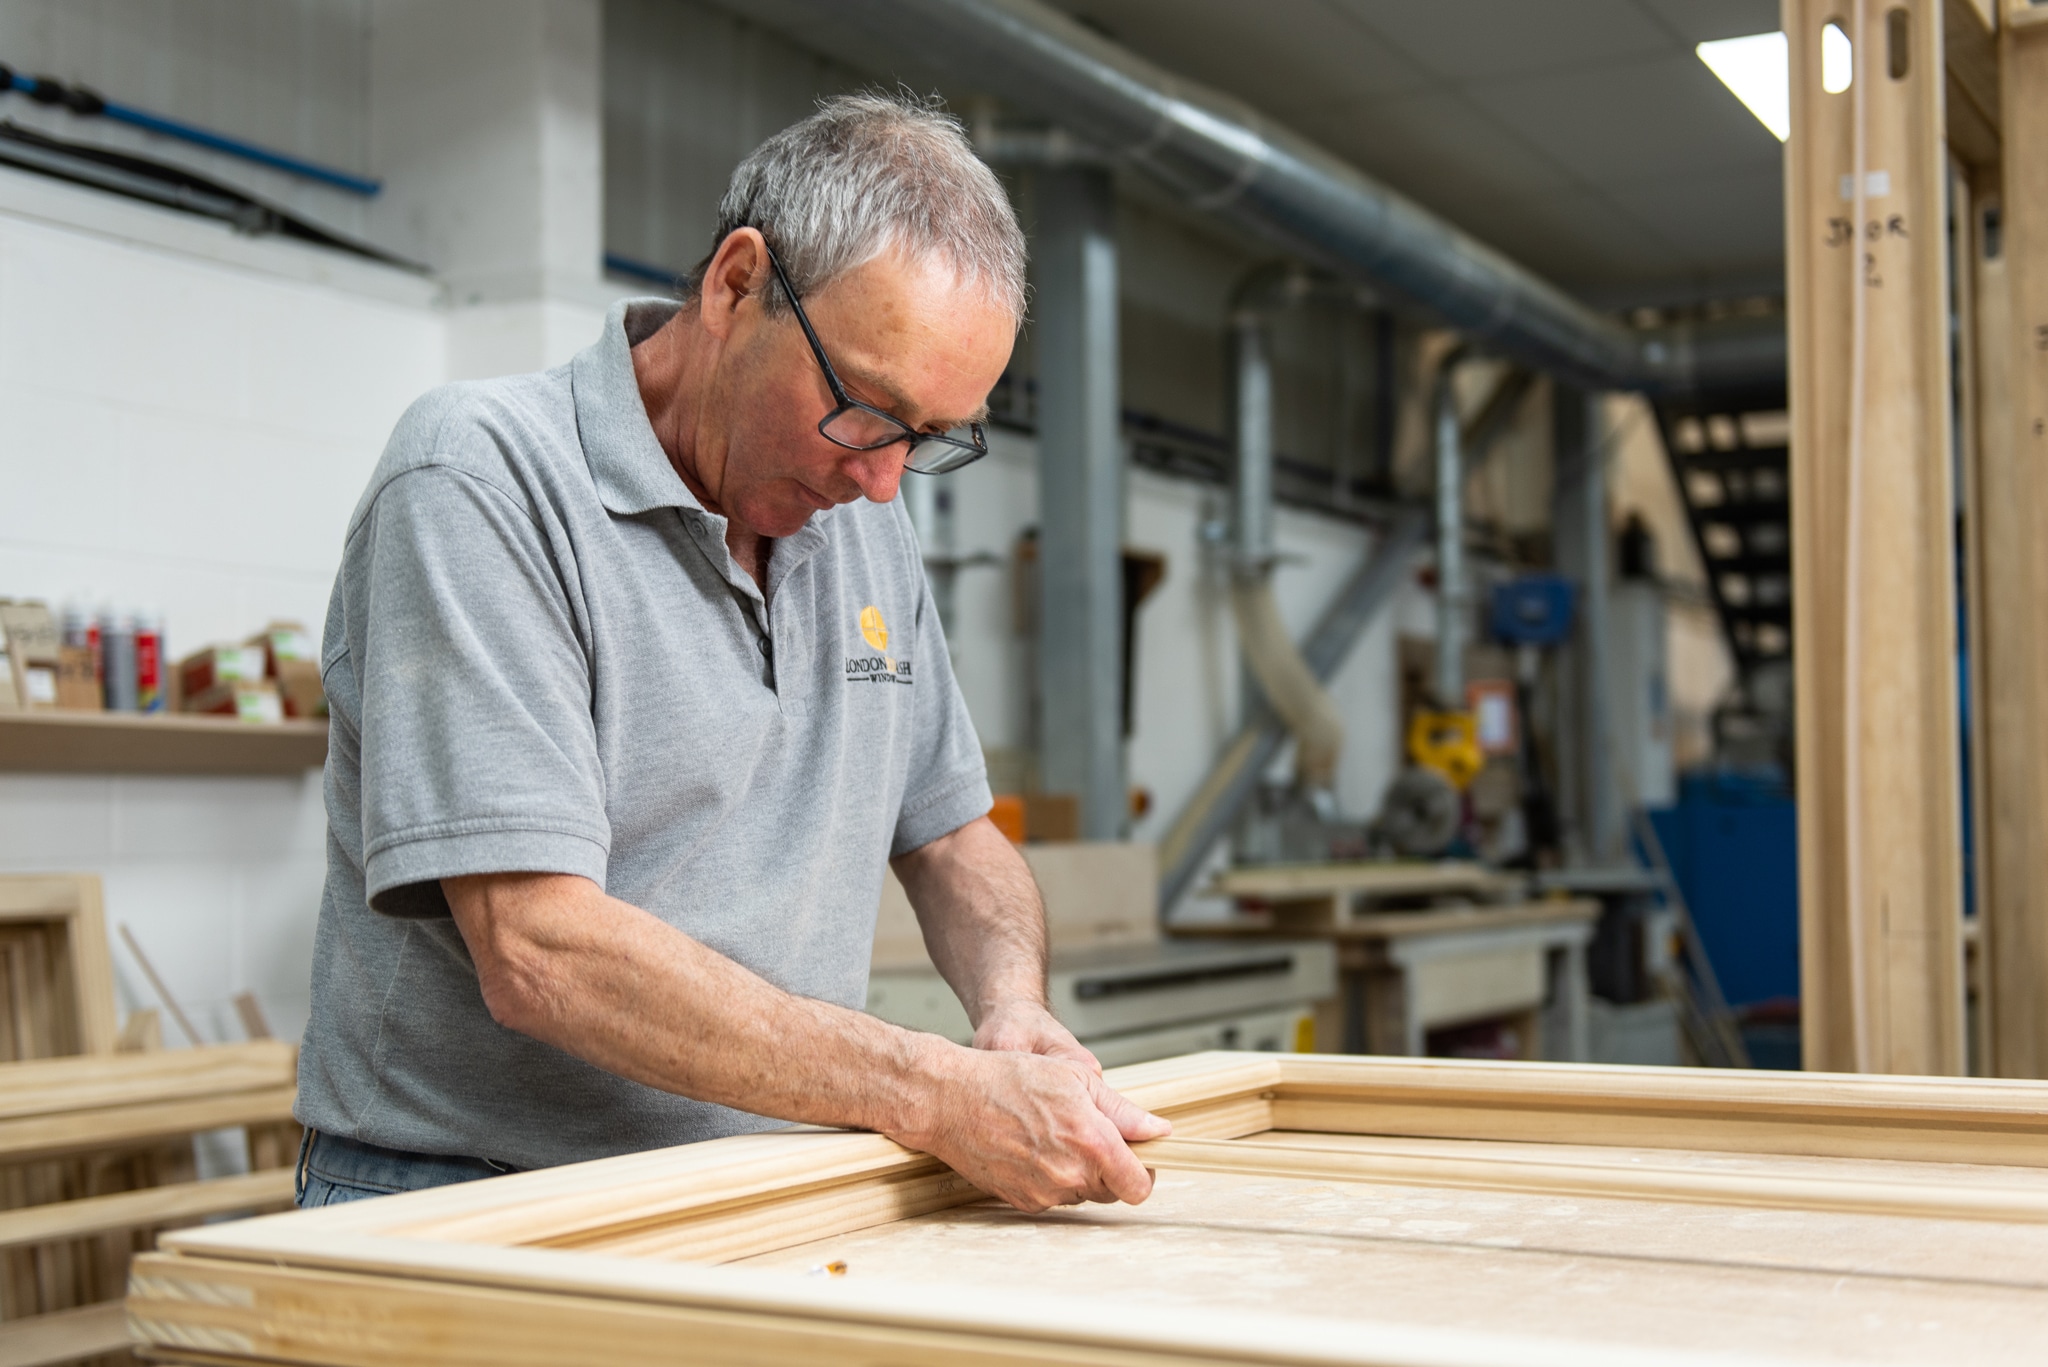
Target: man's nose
877	472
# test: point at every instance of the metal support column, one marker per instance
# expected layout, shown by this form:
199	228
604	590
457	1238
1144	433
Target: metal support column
1580	522
1081	498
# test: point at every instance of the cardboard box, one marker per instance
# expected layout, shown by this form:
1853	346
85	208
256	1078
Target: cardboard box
286	642
250	700
204	671
33	648
1052	816
78	683
298	681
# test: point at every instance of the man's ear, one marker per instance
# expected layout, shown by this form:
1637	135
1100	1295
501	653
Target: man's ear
738	271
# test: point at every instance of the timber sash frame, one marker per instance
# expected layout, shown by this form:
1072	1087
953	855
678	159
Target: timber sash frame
608	1261
67	1008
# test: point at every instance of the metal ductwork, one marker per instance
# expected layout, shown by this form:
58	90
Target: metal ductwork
1226	158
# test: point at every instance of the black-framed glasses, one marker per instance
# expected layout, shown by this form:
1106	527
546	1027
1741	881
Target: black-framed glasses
862	427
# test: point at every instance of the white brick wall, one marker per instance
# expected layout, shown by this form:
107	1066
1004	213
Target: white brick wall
189	418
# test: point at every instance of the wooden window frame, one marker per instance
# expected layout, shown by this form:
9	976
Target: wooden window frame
529	1268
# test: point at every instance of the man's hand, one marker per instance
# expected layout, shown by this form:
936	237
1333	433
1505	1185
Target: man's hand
1034	1131
1026	1027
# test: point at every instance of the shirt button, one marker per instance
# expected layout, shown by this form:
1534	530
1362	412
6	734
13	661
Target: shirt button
766	649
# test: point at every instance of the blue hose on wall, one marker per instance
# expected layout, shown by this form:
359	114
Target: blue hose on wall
90	104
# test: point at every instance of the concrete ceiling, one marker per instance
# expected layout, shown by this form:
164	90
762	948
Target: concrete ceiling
1582	137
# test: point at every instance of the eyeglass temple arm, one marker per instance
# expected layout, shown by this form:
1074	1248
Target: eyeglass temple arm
810	333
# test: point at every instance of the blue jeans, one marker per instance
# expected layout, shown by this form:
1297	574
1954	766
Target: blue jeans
333	1169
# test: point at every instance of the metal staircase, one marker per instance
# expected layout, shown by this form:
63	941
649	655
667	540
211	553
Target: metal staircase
1730	456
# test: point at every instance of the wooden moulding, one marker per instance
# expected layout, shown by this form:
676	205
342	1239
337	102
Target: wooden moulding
607	1261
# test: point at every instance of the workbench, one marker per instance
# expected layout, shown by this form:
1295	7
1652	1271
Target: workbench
1406	973
1308	896
1308	1209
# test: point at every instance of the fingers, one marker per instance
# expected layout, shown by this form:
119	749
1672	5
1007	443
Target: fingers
1123	1176
1132	1122
1046	1131
1072	1051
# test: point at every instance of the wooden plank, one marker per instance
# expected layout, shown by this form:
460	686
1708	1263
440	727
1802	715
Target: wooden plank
61	1086
1387	925
133	743
92	970
74	1105
1286	882
146	1207
1970	52
65	1335
530	1308
2011	561
1874	560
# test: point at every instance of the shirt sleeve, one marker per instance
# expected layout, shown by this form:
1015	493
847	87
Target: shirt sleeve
948	781
478	751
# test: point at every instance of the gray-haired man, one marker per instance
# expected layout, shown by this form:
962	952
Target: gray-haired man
636	685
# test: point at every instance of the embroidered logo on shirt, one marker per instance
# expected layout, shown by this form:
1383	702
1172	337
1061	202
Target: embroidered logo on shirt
872	628
880	667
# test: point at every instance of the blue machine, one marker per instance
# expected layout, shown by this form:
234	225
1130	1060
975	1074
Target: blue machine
1733	843
1533	610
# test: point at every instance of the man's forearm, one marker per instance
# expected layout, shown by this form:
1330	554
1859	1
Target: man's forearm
983	920
559	960
599	978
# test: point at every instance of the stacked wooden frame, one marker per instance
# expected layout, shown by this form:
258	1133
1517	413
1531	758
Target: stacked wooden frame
95	1127
1917	307
1309	1210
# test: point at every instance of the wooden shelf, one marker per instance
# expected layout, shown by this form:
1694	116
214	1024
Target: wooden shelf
121	743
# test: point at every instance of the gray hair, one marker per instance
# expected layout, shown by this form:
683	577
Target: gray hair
867	174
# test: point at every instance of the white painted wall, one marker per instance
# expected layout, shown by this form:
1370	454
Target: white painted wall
290	75
190	418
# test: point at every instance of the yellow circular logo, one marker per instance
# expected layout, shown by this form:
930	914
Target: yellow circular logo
873	629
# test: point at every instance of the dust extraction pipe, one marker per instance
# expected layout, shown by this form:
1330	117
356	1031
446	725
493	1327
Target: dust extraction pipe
1224	158
1452	595
1268	648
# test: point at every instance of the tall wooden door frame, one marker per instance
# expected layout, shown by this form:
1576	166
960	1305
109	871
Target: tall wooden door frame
1873	543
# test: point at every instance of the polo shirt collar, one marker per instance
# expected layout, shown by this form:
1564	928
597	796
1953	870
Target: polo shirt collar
631	471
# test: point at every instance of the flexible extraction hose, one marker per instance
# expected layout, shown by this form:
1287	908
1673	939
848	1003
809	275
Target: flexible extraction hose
1288	683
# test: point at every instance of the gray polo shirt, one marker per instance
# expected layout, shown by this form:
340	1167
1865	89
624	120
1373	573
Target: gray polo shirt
540	656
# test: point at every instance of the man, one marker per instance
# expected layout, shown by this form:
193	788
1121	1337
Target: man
636	684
